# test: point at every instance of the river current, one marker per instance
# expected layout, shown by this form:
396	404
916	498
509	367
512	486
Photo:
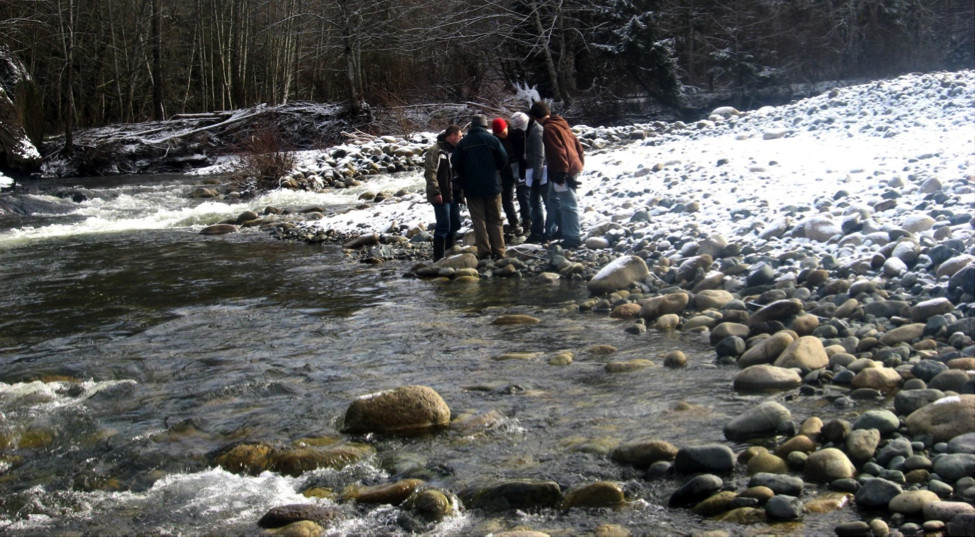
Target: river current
132	348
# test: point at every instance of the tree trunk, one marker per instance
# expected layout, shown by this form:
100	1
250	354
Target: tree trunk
67	44
553	74
157	79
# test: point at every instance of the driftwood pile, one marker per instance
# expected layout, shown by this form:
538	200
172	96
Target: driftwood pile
188	141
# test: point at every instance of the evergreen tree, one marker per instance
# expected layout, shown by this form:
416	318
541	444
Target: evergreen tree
629	37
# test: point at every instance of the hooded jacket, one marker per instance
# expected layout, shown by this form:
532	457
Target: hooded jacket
477	159
563	152
438	171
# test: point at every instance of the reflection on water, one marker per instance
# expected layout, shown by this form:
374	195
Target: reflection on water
128	359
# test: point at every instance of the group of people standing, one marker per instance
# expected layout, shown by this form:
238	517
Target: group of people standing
534	158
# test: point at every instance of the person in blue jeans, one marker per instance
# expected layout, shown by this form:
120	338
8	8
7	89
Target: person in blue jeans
541	214
564	159
441	193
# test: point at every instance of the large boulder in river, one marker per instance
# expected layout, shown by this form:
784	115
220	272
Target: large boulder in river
402	410
945	418
619	274
20	121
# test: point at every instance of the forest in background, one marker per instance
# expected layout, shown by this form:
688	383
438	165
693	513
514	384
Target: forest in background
98	62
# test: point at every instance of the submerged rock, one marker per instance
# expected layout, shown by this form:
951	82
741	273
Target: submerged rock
288	514
515	494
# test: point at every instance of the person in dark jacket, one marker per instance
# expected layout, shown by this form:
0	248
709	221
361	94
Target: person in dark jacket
478	160
439	174
565	159
509	174
517	140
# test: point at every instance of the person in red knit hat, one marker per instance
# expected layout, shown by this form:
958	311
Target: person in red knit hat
500	129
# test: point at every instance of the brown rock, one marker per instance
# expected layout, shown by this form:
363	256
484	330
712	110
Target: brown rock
643	453
767	351
712	299
283	515
219	229
660	305
667	322
945	418
390	493
828	465
882	379
806	353
804	324
630	310
903	334
800	442
598	494
515	319
912	502
780	310
765	377
767	463
404	409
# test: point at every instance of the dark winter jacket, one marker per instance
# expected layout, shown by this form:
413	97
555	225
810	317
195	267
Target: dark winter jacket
516	153
438	171
563	152
477	159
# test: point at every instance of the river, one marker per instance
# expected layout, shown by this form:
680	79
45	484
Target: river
132	348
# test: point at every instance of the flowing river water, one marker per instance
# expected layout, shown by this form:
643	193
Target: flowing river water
132	348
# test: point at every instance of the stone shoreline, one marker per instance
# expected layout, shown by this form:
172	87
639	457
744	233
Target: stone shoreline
847	296
894	326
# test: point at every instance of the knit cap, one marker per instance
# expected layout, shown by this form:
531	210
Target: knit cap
519	121
498	126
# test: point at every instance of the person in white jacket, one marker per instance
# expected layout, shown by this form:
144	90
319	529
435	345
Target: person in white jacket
543	225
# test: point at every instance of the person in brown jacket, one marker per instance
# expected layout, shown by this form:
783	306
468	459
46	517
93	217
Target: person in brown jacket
565	159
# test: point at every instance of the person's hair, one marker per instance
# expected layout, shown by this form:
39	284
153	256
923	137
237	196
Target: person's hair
450	130
540	110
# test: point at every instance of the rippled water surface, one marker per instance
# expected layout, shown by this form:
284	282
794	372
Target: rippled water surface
128	358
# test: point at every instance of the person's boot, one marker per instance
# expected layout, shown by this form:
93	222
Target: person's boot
438	248
449	242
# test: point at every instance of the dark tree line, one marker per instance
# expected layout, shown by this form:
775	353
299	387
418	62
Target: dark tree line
104	61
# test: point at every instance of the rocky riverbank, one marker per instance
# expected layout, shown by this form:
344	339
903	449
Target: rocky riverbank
826	248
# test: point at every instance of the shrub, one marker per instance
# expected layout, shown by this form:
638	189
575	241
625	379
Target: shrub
263	161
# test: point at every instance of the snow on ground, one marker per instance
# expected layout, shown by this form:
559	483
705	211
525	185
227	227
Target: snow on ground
5	182
735	175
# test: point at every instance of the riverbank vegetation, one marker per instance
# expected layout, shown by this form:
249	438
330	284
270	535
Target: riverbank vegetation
120	61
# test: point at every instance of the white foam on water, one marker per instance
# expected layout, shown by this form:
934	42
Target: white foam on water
50	396
210	502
